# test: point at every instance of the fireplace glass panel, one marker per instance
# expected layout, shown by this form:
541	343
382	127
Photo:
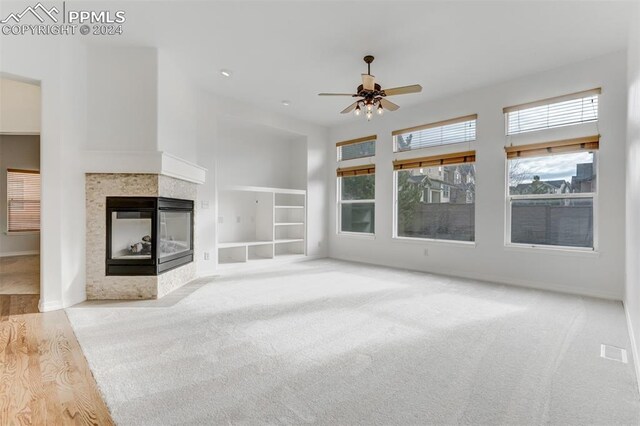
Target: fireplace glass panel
175	232
131	233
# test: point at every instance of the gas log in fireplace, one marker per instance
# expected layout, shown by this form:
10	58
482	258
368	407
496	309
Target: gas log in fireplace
148	235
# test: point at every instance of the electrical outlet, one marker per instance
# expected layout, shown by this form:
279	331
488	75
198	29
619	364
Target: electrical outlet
237	219
319	244
206	255
426	252
220	219
204	204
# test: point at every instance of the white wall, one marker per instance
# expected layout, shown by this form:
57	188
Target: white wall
209	155
599	274
632	287
122	102
19	107
177	110
257	156
59	64
17	152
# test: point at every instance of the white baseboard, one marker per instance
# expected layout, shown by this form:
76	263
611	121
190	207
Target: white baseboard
52	305
19	253
254	265
634	345
494	279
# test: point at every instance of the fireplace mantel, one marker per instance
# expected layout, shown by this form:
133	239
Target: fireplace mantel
143	162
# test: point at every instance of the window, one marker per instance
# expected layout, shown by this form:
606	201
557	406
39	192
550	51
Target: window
356	199
449	212
552	193
561	111
23	200
456	130
356	148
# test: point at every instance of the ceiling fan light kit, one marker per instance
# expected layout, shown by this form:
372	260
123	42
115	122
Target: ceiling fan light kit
372	95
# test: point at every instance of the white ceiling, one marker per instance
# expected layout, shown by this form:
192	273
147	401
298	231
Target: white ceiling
294	50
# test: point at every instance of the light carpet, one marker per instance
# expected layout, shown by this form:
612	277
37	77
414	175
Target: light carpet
330	342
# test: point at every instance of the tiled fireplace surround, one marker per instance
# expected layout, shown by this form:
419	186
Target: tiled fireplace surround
99	186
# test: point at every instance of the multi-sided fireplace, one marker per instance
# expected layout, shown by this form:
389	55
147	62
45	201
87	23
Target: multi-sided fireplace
148	235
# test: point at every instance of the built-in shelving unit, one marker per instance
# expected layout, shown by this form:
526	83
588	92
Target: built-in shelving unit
257	223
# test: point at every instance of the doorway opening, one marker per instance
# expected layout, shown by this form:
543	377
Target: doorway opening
20	187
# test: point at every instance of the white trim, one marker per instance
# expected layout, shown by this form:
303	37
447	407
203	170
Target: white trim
179	168
263	189
634	345
19	253
145	162
16	77
224	269
122	162
556	249
418	240
52	305
357	201
362	235
552	196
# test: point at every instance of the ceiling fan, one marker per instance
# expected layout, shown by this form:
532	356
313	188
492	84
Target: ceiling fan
373	95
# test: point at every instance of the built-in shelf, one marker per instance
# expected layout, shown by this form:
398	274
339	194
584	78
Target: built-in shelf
257	243
274	217
243	243
264	189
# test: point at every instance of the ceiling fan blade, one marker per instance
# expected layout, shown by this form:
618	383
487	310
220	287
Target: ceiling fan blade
349	108
335	94
404	90
368	81
388	105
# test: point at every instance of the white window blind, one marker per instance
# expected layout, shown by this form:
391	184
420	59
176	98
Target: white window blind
555	112
457	130
23	200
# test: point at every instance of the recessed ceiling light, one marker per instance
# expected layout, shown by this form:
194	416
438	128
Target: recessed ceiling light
225	73
286	103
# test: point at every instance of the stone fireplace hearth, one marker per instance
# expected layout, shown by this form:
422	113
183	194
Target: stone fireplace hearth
105	284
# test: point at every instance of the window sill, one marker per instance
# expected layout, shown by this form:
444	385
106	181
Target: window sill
560	250
358	235
21	233
467	244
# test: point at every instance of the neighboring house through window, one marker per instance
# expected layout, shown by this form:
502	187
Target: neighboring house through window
430	207
552	193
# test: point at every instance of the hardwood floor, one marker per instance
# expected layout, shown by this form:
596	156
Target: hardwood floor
20	274
44	377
